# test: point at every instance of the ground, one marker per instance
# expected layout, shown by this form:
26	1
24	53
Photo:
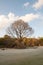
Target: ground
21	56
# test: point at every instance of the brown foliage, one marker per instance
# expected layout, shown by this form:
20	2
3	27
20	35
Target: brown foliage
8	42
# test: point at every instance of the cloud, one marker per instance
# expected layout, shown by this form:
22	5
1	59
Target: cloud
29	17
26	4
12	17
38	4
5	20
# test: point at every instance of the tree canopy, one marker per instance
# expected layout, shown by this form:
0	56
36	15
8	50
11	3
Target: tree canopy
19	29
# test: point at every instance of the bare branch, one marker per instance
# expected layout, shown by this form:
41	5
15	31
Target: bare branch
20	29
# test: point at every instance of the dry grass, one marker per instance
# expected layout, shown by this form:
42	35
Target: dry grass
21	56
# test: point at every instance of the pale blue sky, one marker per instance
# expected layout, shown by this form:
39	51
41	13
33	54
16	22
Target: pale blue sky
21	8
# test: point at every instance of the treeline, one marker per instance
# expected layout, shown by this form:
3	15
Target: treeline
8	42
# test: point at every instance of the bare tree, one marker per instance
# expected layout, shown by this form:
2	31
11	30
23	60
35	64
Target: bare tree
20	29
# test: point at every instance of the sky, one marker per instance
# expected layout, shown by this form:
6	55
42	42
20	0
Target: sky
30	11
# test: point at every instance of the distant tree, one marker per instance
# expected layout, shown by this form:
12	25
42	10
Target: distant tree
19	29
6	36
41	41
